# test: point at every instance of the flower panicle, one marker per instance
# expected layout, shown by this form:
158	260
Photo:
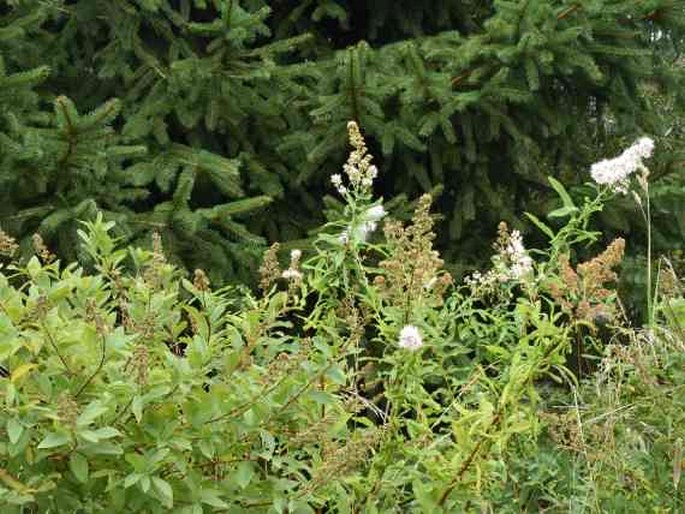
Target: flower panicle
616	172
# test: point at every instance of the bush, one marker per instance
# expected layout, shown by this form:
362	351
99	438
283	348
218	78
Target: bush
360	379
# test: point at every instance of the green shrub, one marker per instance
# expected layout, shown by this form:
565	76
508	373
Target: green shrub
360	379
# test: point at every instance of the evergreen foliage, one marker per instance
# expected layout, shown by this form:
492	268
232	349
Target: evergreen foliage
229	115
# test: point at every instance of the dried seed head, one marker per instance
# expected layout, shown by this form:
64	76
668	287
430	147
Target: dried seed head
8	245
270	270
41	249
200	280
67	409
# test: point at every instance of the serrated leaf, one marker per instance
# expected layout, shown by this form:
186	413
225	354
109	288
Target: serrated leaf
78	465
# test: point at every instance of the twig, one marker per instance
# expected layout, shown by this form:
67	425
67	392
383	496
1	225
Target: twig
103	348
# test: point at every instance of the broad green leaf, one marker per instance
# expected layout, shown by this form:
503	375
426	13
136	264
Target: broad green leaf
53	440
88	435
145	483
212	497
102	448
93	410
132	479
165	491
322	397
107	432
137	407
79	467
14	430
244	474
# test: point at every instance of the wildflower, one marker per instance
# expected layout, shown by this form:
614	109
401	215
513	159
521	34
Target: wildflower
410	338
375	213
291	274
520	262
615	172
336	180
8	245
269	270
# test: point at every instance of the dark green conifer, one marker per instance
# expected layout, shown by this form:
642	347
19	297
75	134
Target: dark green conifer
231	114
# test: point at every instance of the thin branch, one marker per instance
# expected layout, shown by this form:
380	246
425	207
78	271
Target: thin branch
103	348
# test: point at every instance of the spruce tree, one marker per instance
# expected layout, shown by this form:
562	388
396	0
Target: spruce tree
241	108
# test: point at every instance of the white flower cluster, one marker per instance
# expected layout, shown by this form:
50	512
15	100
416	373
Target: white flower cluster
512	263
520	263
410	338
358	168
369	223
357	177
615	172
293	272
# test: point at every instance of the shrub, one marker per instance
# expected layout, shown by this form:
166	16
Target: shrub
360	378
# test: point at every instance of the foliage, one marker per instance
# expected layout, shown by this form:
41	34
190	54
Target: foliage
360	378
228	115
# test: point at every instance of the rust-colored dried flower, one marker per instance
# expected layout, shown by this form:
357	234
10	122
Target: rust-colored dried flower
412	269
270	270
152	273
582	292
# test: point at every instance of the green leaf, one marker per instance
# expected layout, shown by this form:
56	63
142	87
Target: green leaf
93	410
211	497
53	440
244	474
541	225
137	407
165	491
88	435
107	432
79	467
562	212
102	448
563	194
322	397
145	483
132	479
14	430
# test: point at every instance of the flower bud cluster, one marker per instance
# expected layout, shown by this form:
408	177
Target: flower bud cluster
358	168
511	263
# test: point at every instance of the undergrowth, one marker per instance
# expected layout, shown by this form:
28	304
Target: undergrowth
360	378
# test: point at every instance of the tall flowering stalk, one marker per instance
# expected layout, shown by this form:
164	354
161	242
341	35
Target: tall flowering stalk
357	189
615	174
